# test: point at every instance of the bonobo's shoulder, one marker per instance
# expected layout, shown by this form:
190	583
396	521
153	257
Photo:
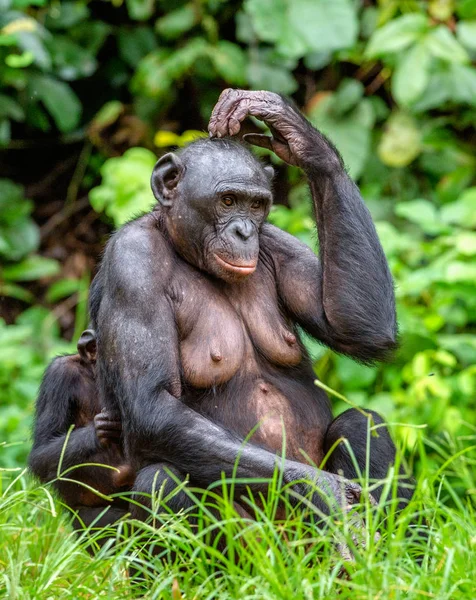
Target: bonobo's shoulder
138	247
283	244
139	236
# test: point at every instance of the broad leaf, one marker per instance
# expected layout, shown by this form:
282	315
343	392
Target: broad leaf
350	134
59	99
298	27
412	74
397	35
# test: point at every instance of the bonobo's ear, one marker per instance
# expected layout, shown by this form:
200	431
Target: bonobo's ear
87	347
268	169
167	173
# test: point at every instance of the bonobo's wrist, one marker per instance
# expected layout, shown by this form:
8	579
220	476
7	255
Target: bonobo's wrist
329	166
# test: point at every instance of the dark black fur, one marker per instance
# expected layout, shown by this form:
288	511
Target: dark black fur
344	299
69	397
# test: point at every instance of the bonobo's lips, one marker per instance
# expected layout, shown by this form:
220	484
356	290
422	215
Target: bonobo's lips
239	269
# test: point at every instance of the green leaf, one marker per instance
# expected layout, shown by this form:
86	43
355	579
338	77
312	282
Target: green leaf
30	269
466	34
59	99
466	243
401	141
140	10
125	191
62	289
11	109
350	134
442	44
298	27
177	22
461	271
229	61
397	35
347	96
135	43
63	15
18	240
31	42
70	61
16	291
5	132
263	76
412	74
463	211
421	212
20	61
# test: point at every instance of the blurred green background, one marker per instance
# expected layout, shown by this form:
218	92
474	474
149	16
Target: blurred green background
92	92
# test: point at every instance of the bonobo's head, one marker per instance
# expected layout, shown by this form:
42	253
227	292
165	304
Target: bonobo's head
215	196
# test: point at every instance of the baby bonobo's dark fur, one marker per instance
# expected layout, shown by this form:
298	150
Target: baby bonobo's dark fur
69	396
197	307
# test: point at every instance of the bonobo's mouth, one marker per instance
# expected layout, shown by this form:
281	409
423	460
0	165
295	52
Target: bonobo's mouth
240	269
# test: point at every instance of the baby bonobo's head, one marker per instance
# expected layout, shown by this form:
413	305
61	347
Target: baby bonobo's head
216	196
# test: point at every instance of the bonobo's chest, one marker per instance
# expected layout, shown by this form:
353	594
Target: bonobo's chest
226	328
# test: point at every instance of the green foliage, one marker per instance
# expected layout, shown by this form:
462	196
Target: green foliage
125	189
18	232
393	85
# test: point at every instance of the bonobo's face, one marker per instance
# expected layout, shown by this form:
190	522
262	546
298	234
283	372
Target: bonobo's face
221	199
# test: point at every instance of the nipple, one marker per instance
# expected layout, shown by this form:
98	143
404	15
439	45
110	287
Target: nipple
264	388
216	356
290	338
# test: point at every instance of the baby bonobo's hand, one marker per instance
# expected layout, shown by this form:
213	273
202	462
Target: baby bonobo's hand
108	428
293	139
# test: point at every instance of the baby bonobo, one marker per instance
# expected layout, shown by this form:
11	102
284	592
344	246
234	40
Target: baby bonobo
198	305
69	396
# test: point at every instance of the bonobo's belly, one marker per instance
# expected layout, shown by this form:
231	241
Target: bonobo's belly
274	412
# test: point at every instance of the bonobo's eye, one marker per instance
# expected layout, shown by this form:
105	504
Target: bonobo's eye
228	200
256	204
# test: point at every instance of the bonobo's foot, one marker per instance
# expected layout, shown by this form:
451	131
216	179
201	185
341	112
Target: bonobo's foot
330	493
108	428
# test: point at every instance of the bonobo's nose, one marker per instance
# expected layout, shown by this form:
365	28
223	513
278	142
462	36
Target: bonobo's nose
243	229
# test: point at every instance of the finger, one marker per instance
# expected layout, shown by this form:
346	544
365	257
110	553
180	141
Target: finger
259	139
218	125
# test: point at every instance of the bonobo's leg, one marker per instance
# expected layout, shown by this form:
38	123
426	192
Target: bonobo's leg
158	480
354	426
98	517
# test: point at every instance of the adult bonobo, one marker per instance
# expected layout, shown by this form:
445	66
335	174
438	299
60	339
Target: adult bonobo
69	396
197	307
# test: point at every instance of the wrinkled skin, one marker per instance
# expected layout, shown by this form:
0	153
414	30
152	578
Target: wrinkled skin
197	307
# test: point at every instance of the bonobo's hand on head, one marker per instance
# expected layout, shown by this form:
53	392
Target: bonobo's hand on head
293	139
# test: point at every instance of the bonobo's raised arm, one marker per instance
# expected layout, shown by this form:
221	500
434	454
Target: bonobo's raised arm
346	298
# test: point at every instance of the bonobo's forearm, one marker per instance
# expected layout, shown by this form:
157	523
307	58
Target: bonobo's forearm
82	447
169	430
357	288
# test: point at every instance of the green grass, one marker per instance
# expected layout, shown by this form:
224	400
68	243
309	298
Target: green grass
41	557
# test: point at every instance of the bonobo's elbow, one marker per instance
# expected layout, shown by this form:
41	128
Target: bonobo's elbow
380	348
38	466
